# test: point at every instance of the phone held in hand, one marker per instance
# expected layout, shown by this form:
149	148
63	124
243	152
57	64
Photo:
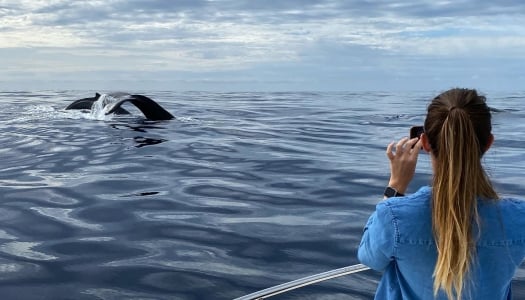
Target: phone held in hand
416	131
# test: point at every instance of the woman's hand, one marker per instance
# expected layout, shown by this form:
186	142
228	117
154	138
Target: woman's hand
403	162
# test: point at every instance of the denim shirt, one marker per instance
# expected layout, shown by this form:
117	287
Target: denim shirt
398	240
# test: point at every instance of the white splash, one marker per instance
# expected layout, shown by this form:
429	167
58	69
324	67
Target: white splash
99	109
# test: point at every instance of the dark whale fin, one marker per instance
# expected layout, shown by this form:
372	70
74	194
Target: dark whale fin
147	106
87	103
84	103
121	111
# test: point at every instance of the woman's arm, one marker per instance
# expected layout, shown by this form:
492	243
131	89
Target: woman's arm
377	247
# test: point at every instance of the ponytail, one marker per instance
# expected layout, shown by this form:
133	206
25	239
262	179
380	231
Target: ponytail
459	179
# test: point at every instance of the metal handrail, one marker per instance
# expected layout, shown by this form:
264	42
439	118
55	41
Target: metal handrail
298	283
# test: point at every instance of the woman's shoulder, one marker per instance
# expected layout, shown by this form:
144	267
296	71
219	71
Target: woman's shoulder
507	214
420	197
417	203
411	215
503	203
512	205
513	201
507	210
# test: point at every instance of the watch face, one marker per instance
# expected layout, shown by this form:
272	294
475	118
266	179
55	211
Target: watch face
390	192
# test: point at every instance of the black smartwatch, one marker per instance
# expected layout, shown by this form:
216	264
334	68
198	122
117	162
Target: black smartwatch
392	192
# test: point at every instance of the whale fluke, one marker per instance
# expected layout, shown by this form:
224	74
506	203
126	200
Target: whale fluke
151	109
84	103
87	103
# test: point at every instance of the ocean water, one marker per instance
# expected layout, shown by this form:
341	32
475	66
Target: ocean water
241	191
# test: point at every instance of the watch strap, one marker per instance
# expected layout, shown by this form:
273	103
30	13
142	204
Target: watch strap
392	192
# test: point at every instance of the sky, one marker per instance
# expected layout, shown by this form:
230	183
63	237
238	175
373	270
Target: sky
262	45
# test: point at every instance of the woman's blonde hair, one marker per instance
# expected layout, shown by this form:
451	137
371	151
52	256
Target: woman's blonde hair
458	128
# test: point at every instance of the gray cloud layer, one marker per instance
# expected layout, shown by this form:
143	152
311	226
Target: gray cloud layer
260	40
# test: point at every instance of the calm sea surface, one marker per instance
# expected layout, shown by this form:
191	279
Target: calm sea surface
240	192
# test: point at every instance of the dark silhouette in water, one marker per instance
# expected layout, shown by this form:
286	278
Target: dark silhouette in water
151	109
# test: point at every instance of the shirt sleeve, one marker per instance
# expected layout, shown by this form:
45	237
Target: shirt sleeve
377	246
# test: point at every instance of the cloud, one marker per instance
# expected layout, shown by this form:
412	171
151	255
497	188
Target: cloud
325	36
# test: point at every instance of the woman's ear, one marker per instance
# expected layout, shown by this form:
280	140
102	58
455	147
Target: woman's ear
425	143
489	143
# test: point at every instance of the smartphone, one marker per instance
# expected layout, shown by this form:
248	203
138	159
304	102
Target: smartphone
416	131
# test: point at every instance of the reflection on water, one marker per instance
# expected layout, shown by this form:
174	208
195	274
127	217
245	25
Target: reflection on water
25	250
241	191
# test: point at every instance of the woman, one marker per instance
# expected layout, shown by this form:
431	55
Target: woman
455	239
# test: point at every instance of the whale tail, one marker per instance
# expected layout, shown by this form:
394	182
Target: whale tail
87	103
151	109
84	103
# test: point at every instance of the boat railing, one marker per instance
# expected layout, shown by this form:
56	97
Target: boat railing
301	282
